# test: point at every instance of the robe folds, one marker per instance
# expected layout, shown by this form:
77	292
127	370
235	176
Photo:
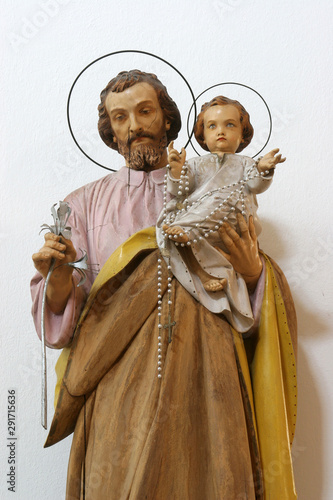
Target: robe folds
219	422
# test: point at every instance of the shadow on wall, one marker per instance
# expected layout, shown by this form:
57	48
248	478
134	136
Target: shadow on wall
308	448
270	240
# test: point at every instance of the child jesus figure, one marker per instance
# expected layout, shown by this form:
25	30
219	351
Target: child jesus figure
211	191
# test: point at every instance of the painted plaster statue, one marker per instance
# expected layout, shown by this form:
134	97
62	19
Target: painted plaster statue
165	399
210	191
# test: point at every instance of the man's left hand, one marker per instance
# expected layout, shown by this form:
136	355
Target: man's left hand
243	250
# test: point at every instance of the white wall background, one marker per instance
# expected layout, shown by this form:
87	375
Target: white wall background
284	50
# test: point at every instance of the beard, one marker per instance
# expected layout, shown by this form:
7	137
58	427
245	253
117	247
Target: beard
144	156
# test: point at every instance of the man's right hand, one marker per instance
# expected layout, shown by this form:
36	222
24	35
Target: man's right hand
55	247
60	284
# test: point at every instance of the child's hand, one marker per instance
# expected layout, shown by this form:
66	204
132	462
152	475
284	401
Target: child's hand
176	160
269	161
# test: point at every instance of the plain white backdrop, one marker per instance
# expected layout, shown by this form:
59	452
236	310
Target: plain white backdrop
284	51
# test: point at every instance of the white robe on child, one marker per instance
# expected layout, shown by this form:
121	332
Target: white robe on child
205	175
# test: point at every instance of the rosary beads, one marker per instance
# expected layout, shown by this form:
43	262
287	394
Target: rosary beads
235	199
160	325
228	204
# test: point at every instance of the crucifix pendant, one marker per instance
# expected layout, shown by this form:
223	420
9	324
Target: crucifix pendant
169	325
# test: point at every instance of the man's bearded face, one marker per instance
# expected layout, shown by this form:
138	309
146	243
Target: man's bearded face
144	156
139	126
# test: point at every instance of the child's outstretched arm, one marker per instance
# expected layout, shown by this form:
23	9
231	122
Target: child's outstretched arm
270	160
176	160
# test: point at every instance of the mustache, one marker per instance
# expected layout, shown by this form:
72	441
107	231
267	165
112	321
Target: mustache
137	135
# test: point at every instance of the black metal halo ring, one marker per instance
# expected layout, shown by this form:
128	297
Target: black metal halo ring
228	83
112	54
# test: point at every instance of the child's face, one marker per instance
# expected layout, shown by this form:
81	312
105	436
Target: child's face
223	131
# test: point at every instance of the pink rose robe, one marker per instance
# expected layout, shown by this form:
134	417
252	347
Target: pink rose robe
104	214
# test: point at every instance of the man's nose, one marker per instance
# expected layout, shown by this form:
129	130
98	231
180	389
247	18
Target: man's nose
135	124
220	130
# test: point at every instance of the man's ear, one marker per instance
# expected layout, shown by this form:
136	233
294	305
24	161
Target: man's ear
167	125
115	139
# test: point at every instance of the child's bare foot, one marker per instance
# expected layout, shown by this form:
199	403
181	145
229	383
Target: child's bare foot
215	284
176	232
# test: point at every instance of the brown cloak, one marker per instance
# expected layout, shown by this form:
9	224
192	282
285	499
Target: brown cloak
188	436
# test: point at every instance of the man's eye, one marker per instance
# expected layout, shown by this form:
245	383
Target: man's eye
230	125
119	117
212	125
145	111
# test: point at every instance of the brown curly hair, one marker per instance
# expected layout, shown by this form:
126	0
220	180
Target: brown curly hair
123	81
244	119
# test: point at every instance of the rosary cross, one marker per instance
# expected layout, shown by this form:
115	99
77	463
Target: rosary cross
169	325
